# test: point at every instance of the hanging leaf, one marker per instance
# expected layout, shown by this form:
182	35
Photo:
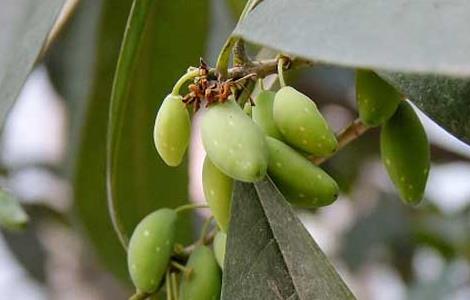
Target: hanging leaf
412	36
270	255
147	54
12	215
172	40
25	27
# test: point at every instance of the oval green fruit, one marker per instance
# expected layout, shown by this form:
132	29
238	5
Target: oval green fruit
301	124
262	114
220	242
299	180
204	281
172	129
376	99
150	248
234	143
218	192
405	153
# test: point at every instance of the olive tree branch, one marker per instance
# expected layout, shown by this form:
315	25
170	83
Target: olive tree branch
261	68
346	136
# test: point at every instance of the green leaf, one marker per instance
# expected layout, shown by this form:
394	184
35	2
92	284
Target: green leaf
12	215
446	100
411	36
270	255
382	35
25	27
172	40
160	54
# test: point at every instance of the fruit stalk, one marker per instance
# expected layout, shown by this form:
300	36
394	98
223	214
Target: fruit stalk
346	136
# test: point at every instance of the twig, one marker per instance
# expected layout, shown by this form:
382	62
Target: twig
346	136
224	55
185	252
262	68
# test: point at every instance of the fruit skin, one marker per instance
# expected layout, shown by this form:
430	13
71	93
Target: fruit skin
150	248
405	153
301	124
376	99
204	282
234	143
300	181
220	242
262	114
172	130
218	192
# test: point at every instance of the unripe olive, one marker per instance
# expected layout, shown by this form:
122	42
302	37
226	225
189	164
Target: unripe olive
376	99
234	143
218	192
262	114
301	124
220	242
150	248
405	153
299	180
172	130
204	281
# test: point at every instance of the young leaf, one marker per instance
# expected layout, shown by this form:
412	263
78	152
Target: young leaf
12	215
270	255
368	34
25	27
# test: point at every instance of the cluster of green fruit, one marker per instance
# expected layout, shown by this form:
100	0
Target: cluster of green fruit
150	253
274	137
284	127
404	146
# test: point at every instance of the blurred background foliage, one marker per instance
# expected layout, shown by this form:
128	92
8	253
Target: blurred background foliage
383	249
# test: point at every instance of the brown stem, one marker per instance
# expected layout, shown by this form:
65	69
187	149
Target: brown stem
346	136
261	68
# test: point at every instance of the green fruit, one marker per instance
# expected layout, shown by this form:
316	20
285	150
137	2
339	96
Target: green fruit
218	192
301	124
204	281
299	180
405	153
150	248
220	241
262	114
234	143
172	130
376	99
